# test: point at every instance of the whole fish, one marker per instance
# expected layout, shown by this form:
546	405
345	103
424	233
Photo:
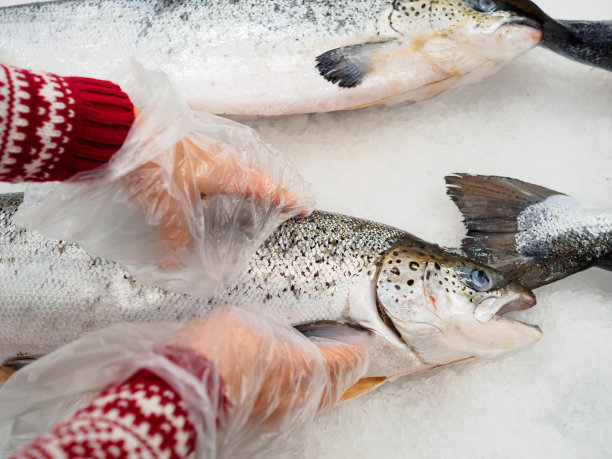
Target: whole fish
533	234
273	57
425	307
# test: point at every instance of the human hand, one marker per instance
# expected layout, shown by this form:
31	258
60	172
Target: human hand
274	376
273	381
200	167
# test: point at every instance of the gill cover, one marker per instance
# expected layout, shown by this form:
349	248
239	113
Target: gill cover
410	311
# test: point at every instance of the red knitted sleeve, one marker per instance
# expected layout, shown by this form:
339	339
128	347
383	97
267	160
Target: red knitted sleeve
52	127
143	417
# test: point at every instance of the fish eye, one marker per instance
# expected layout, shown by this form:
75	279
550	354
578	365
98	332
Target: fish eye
484	6
480	279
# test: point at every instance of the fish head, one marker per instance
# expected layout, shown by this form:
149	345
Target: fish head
447	308
497	30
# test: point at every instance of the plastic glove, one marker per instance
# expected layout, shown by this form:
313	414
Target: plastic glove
202	167
273	373
274	378
184	203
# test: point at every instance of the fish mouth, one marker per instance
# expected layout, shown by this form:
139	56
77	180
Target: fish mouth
490	309
525	300
524	22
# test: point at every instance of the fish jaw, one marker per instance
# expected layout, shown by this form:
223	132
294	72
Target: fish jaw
499	334
508	41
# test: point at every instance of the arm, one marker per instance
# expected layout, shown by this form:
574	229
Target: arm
143	417
261	379
52	127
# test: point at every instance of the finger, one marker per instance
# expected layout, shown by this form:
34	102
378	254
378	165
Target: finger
228	174
175	235
150	192
341	357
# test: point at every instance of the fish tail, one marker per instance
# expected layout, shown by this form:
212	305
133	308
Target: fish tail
588	42
491	207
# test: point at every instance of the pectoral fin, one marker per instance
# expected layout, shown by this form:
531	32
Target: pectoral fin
361	387
348	66
17	363
329	329
5	374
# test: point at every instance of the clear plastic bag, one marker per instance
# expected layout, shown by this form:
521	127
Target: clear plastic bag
186	200
275	378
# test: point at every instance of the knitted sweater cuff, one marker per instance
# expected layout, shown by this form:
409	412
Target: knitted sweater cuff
103	117
52	127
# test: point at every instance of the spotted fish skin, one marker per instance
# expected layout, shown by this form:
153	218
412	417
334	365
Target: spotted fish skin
53	292
271	57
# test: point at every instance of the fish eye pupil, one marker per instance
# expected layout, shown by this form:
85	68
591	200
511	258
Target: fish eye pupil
485	6
480	279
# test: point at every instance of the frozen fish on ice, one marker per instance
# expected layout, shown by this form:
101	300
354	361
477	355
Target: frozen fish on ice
425	306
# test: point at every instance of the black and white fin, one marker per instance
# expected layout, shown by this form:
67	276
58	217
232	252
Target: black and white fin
491	207
17	363
329	329
347	66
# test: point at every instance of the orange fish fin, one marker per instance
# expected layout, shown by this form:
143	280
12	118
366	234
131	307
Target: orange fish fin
361	387
5	374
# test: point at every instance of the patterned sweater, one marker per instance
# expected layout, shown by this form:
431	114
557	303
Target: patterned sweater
52	127
143	417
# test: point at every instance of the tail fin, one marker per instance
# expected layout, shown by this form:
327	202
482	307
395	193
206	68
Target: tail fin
587	42
491	206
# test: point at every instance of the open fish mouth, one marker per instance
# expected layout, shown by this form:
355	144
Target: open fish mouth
523	302
526	22
490	309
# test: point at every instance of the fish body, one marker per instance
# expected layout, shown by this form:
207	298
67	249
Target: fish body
533	234
262	57
418	300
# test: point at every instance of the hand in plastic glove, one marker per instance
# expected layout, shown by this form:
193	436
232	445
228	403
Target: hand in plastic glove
201	167
270	369
228	385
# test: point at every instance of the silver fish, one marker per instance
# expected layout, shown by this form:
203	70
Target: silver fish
426	307
533	234
263	57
